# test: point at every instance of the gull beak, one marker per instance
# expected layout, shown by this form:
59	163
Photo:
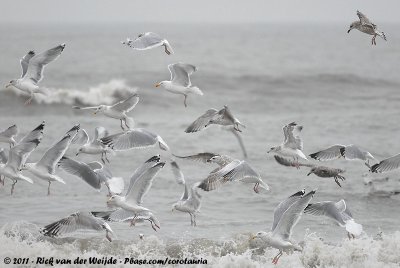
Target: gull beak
95	113
8	85
349	30
253	237
157	85
76	154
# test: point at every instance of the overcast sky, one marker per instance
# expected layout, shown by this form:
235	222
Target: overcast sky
225	11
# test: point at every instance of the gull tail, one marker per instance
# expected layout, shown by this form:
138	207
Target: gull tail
353	227
196	90
381	34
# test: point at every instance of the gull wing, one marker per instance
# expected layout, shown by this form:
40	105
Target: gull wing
10	131
38	62
333	152
25	62
364	20
292	140
387	164
180	73
145	41
81	170
126	105
203	121
200	157
284	205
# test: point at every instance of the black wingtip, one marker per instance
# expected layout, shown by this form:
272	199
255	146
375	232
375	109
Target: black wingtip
314	156
343	151
41	126
36	141
299	193
374	168
31	52
307	207
155	158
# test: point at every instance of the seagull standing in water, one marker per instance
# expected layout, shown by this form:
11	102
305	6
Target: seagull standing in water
180	80
45	168
190	201
286	216
292	145
32	71
118	110
18	155
365	26
148	40
8	135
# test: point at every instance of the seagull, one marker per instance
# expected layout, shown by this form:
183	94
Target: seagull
94	174
231	170
292	145
32	71
387	164
130	205
8	135
200	157
94	146
190	202
365	26
286	216
224	118
320	171
118	110
77	221
18	155
45	168
348	152
180	80
121	215
148	40
339	213
134	139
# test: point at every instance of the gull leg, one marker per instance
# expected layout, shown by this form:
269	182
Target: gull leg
126	124
122	125
12	187
191	219
105	154
349	235
276	258
256	187
337	181
184	101
102	159
153	225
194	219
48	188
29	101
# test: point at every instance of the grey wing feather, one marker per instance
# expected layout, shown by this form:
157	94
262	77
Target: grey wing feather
37	133
200	157
51	157
289	163
10	131
38	62
352	152
202	122
80	170
180	73
3	156
145	41
99	132
81	137
179	177
387	164
136	138
292	140
333	152
126	105
118	215
284	205
25	62
291	216
364	20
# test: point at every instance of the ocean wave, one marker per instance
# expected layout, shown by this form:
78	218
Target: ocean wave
24	240
104	93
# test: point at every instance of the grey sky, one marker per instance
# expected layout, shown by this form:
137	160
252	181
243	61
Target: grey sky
225	11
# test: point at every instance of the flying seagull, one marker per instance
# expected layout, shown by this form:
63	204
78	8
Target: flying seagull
118	110
148	40
180	80
8	135
286	216
339	213
366	26
292	145
190	201
77	221
387	164
348	152
32	71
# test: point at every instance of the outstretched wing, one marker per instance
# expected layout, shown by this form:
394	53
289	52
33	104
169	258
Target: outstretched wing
364	20
10	131
25	62
126	105
99	132
133	139
289	163
145	41
387	164
333	152
80	170
200	157
202	122
180	73
292	140
284	205
38	62
81	137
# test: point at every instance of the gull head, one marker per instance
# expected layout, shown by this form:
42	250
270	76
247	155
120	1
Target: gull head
263	236
274	149
174	207
26	166
100	109
11	83
164	84
352	26
115	201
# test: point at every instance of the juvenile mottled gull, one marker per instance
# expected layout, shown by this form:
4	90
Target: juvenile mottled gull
320	171
286	216
231	170
18	155
94	146
118	110
45	168
292	145
8	135
32	71
348	152
134	139
190	201
339	213
148	40
77	221
365	26
180	80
